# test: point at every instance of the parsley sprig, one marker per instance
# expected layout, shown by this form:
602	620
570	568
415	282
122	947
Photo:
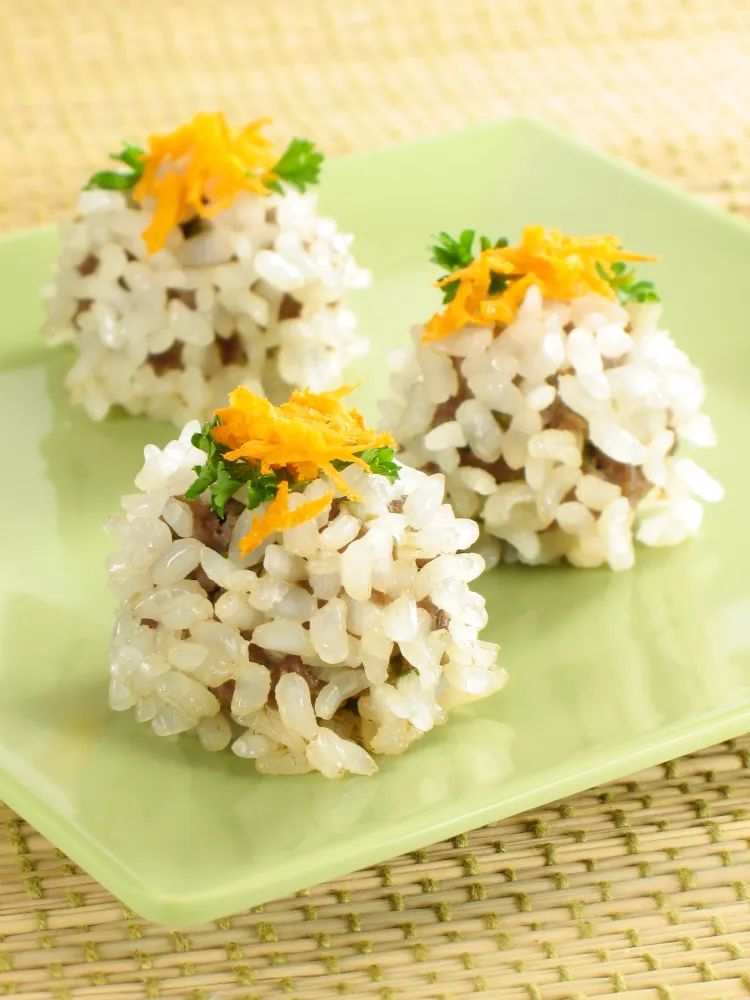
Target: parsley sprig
223	478
453	255
622	280
299	166
115	180
380	461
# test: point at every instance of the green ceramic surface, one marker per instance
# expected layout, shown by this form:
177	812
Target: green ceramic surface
608	672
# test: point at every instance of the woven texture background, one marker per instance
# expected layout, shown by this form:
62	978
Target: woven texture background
639	886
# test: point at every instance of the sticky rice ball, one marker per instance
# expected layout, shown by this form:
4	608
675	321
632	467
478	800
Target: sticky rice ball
198	264
288	590
553	401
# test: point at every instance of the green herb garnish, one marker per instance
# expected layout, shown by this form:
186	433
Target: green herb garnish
453	255
622	280
115	180
299	166
223	478
380	461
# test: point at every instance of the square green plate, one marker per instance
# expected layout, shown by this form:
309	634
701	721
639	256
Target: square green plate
608	672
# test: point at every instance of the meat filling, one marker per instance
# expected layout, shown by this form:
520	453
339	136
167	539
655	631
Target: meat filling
231	351
83	305
290	308
215	532
292	664
88	266
184	295
288	664
193	226
167	360
629	478
447	410
558	416
440	618
212	589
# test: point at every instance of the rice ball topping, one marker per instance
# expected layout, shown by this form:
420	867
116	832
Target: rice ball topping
288	590
200	263
553	401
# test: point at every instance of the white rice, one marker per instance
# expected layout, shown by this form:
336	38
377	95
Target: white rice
256	298
372	599
543	410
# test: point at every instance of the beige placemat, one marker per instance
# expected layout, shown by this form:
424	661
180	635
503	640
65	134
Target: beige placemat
640	886
665	83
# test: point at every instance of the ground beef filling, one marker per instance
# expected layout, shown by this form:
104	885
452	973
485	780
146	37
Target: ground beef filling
88	266
558	416
629	478
288	664
335	509
83	305
293	665
214	531
399	667
193	226
440	618
171	359
212	589
231	351
185	295
167	361
447	410
290	308
500	471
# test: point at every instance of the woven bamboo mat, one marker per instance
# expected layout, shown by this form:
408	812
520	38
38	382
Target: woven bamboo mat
640	886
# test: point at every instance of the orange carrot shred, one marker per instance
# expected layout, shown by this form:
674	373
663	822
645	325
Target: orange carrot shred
199	169
302	437
278	517
562	267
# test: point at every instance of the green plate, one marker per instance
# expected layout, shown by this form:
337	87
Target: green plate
608	672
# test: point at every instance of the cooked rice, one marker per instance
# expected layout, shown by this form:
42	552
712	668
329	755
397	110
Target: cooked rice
347	635
255	296
559	432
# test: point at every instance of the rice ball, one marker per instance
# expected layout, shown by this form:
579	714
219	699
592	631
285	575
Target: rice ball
199	264
303	600
553	401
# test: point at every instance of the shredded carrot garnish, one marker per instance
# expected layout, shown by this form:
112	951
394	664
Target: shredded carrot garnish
562	267
199	169
303	437
278	517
